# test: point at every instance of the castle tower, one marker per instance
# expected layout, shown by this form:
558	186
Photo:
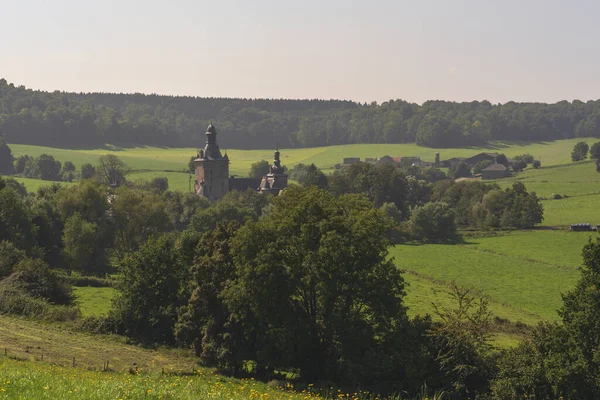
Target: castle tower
276	180
212	169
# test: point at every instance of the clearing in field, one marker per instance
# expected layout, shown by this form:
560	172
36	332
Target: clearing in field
94	301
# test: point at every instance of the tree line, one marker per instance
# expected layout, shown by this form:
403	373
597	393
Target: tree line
94	119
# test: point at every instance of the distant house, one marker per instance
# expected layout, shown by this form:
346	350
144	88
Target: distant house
451	162
495	171
351	160
386	160
408	161
472	161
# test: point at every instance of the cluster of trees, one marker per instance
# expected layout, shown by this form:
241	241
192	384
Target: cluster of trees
424	204
44	167
581	150
284	292
93	119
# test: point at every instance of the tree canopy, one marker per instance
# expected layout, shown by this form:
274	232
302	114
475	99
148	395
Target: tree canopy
93	119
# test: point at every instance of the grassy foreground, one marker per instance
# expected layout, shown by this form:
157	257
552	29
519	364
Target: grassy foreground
29	380
39	365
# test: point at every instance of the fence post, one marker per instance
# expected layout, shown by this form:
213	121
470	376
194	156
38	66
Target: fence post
42	356
73	361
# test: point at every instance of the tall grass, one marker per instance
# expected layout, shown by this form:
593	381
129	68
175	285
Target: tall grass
36	380
16	302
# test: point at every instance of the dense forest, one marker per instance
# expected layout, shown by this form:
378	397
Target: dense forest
93	119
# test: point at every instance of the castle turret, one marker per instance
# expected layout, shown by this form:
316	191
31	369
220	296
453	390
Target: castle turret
276	180
212	169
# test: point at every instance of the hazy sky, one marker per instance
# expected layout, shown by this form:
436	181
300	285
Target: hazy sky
500	50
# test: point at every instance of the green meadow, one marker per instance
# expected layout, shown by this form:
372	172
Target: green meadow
94	301
172	162
523	273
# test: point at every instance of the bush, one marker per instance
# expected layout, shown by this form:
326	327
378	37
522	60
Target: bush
90	281
595	151
159	185
37	280
98	325
259	169
526	158
434	222
87	171
481	165
10	256
580	151
536	164
519	166
17	302
460	170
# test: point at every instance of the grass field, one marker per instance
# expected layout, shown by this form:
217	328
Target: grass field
579	181
523	273
94	301
150	160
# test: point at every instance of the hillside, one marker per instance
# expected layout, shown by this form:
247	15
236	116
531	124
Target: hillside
89	120
38	363
579	181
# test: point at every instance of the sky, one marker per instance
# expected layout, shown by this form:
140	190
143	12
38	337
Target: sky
376	50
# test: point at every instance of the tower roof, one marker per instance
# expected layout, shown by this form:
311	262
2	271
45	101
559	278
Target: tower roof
211	150
211	129
276	168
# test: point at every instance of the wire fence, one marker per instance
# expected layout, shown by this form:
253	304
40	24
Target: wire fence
36	354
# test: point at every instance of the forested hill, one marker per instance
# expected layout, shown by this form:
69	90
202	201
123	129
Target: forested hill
63	119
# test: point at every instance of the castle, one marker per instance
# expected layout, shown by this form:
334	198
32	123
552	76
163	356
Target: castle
212	173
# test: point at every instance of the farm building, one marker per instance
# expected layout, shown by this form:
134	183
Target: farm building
472	161
351	160
495	171
451	162
410	160
386	160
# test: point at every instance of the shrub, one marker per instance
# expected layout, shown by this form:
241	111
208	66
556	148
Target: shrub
90	281
580	151
434	222
519	165
481	165
259	169
536	164
17	302
87	171
10	256
595	151
159	185
37	280
526	158
501	159
460	170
